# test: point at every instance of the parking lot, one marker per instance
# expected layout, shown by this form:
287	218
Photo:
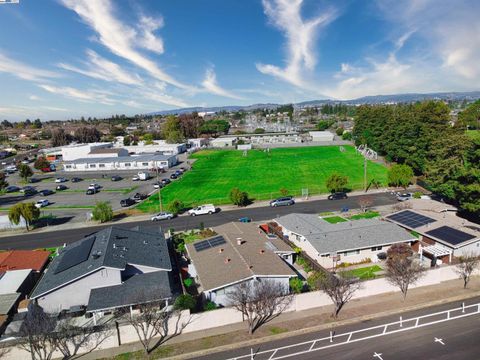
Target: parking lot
74	198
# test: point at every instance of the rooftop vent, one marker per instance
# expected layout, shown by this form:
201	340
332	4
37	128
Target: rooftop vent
262	251
227	260
239	241
97	254
220	250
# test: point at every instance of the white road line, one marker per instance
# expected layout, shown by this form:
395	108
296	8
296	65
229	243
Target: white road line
439	341
378	356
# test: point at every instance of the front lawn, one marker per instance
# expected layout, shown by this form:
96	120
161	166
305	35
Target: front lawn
262	174
365	273
334	219
367	215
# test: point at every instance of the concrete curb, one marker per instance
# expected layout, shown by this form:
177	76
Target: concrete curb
322	327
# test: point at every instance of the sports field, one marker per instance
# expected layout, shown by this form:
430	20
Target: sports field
263	174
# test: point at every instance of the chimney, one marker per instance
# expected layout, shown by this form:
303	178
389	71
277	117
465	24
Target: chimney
227	260
239	241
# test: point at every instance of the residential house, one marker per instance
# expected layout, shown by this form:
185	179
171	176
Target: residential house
240	252
332	244
111	268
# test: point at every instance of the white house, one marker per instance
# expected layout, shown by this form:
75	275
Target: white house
134	162
221	142
111	268
240	253
332	244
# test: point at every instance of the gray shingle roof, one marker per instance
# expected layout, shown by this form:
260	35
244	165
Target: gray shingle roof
7	301
140	288
112	247
330	238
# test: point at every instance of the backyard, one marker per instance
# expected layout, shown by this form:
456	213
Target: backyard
262	174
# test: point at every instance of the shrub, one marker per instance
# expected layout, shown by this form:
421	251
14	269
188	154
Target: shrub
347	135
296	285
188	282
340	131
283	192
185	302
176	206
314	279
336	182
210	305
238	197
304	263
102	212
417	195
400	175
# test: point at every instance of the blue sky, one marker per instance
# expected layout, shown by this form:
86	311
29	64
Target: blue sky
67	58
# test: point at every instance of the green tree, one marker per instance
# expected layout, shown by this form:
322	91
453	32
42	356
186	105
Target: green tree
148	139
176	206
127	140
259	131
28	211
470	117
25	171
41	162
171	130
324	125
102	212
340	131
185	302
296	285
347	135
336	182
400	175
238	197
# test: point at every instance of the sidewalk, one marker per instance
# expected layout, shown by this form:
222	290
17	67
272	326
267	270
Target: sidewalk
195	344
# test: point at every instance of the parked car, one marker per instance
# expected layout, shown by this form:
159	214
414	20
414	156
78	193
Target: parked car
202	210
42	203
158	185
60	180
162	216
139	197
165	181
11	168
92	191
29	192
136	178
27	188
61	187
94	186
33	180
127	202
178	173
173	176
337	196
245	219
46	169
46	192
404	196
283	201
116	178
12	188
143	176
76	179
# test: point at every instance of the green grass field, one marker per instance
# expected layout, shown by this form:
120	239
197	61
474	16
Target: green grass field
262	174
474	134
334	219
365	273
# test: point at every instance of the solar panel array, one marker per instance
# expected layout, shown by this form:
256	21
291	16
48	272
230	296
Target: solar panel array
75	255
450	235
411	219
209	243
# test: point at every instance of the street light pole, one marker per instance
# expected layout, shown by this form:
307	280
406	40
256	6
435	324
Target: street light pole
159	190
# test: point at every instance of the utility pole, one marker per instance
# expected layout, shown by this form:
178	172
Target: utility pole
159	190
365	173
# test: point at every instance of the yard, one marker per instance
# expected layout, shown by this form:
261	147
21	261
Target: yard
365	273
262	174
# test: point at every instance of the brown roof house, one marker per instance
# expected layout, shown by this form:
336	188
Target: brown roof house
240	252
35	260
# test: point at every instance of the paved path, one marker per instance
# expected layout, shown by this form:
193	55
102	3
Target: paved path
36	240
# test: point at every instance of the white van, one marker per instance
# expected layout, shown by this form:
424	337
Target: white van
202	210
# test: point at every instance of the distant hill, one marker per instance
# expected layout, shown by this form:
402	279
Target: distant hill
376	99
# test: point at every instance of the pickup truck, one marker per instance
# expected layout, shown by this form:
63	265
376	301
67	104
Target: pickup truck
202	210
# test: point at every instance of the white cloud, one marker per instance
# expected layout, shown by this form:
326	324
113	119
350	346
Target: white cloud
148	40
100	68
211	85
163	98
23	71
300	36
54	108
121	39
86	96
34	97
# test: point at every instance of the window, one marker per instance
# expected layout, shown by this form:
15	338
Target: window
93	166
128	164
145	164
349	253
376	248
68	166
101	165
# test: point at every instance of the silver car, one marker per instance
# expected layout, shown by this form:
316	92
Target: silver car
162	216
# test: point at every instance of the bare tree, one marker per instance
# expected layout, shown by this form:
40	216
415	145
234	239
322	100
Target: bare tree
340	288
152	324
72	338
4	350
259	301
402	269
365	202
38	331
466	266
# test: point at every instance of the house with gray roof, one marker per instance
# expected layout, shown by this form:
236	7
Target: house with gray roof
350	241
241	252
111	268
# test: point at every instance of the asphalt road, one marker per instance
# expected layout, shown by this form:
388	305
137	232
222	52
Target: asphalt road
459	338
58	238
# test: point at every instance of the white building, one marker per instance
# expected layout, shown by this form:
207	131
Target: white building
134	162
197	143
321	136
157	146
77	151
221	142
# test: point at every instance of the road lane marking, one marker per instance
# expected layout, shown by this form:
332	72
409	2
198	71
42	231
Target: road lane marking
439	341
378	356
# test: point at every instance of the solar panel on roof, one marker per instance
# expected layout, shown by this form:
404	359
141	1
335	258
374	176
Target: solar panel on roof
209	243
75	255
411	219
450	235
